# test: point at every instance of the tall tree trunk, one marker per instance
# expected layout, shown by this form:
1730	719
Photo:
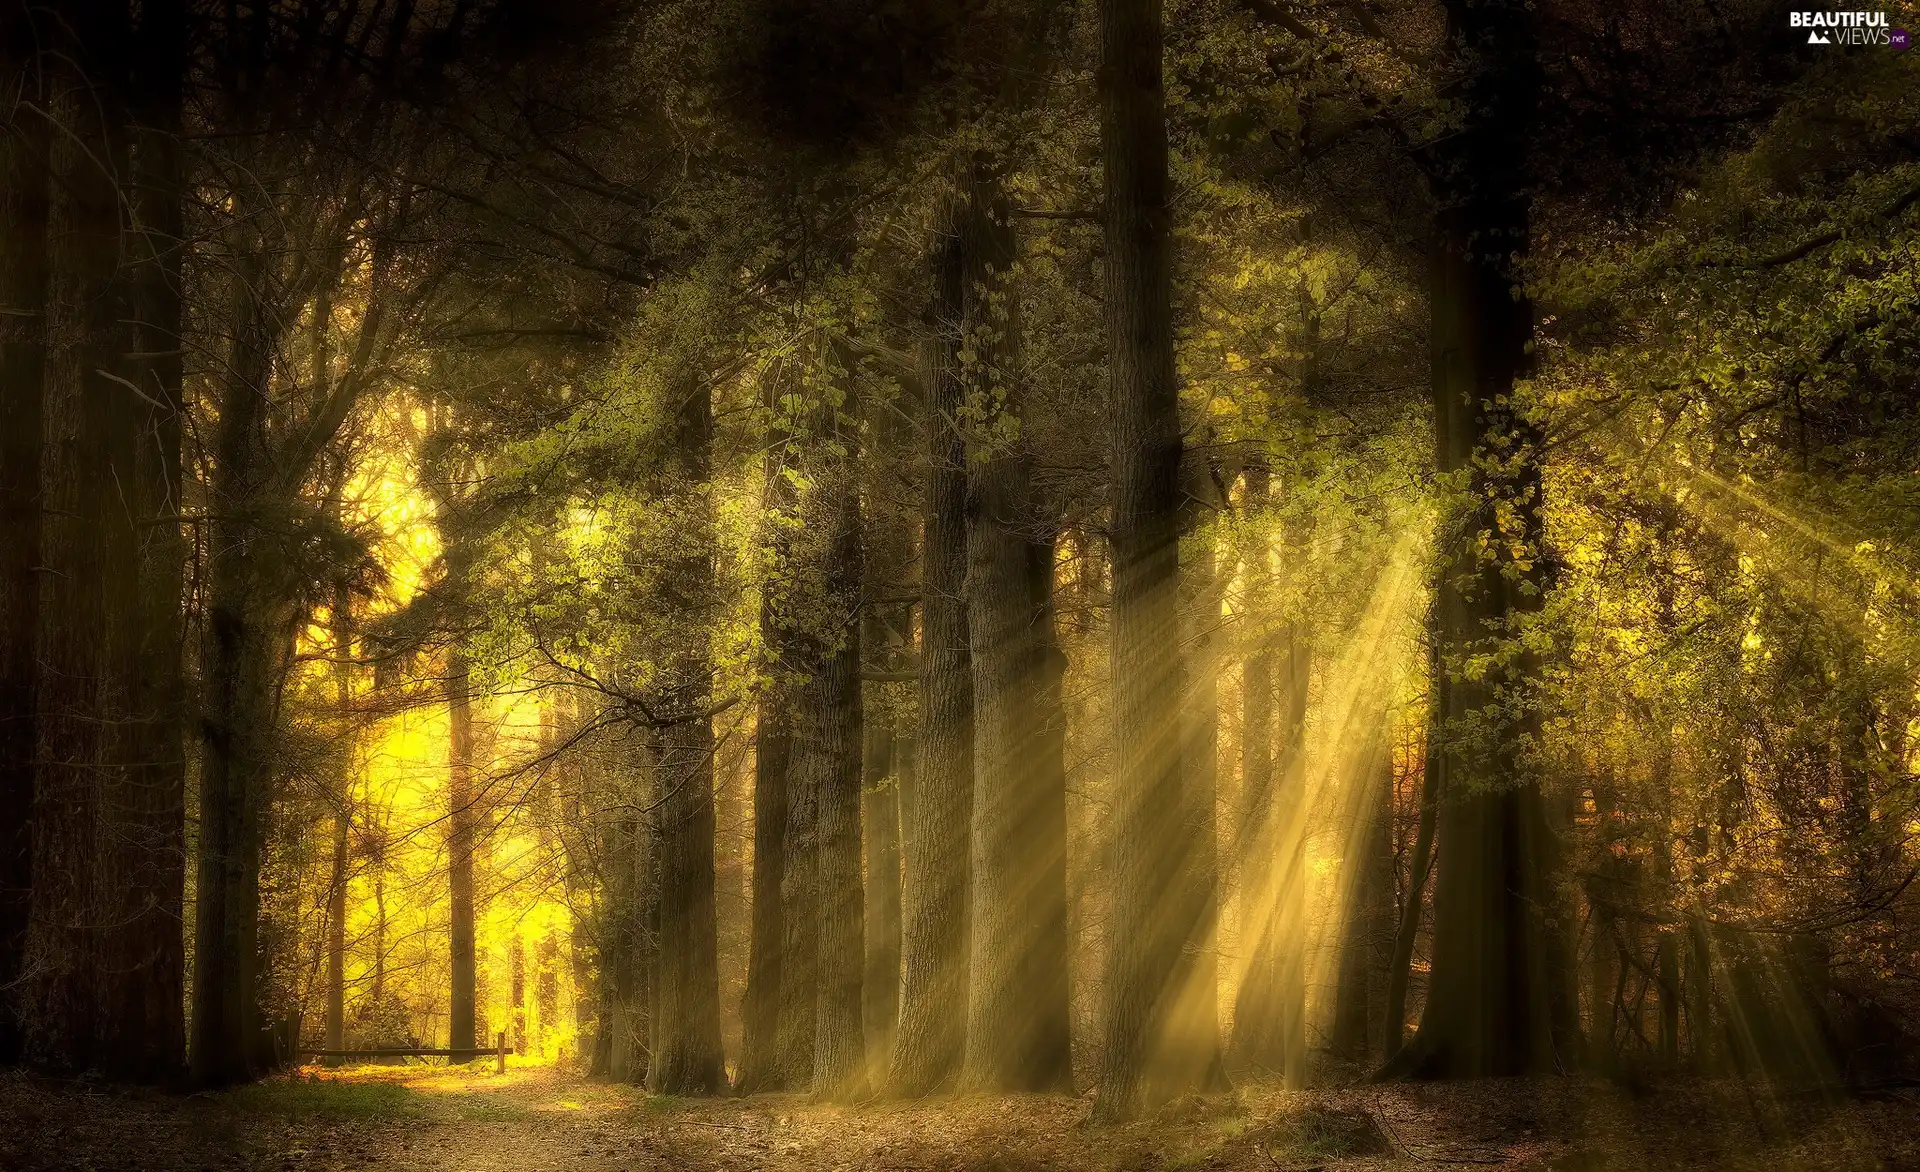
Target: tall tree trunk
101	957
1667	950
733	840
546	992
769	1021
1382	912
517	991
1191	1055
1016	987
1702	1039
1269	1009
23	354
1491	1004
240	693
154	999
1256	742
1049	959
827	750
462	819
626	932
759	1060
933	992
1604	888
579	836
800	895
1367	932
337	878
336	1023
1270	1012
880	819
686	1058
377	987
1407	935
85	697
1348	1038
1146	668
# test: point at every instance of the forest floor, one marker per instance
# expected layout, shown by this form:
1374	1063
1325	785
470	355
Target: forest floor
539	1119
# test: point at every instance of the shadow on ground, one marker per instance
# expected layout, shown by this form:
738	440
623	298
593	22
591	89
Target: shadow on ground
537	1119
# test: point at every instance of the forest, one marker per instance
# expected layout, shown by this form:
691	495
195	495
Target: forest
959	584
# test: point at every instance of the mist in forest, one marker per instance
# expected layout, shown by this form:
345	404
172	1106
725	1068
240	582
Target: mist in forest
994	583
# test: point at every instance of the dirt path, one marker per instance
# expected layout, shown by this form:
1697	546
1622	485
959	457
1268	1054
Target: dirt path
538	1119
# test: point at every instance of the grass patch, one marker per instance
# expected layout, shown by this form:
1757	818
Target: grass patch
1320	1131
329	1098
1214	1137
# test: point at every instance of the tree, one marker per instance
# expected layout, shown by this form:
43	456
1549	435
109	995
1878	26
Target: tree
283	275
1491	1002
826	765
1143	528
686	1049
880	819
102	955
1191	1053
338	876
934	935
1017	979
761	1064
462	818
23	269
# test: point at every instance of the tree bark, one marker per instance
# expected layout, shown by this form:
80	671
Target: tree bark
240	695
1702	1039
827	750
155	997
686	1057
24	160
1270	1012
759	1059
626	936
1604	887
462	820
1144	625
1407	935
1367	934
1191	1055
880	818
763	1059
1270	1008
86	693
800	897
100	962
1049	960
546	992
1016	986
733	840
517	991
336	1026
1491	1002
933	993
1256	733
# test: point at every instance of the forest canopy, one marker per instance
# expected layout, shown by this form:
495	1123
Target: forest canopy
874	548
